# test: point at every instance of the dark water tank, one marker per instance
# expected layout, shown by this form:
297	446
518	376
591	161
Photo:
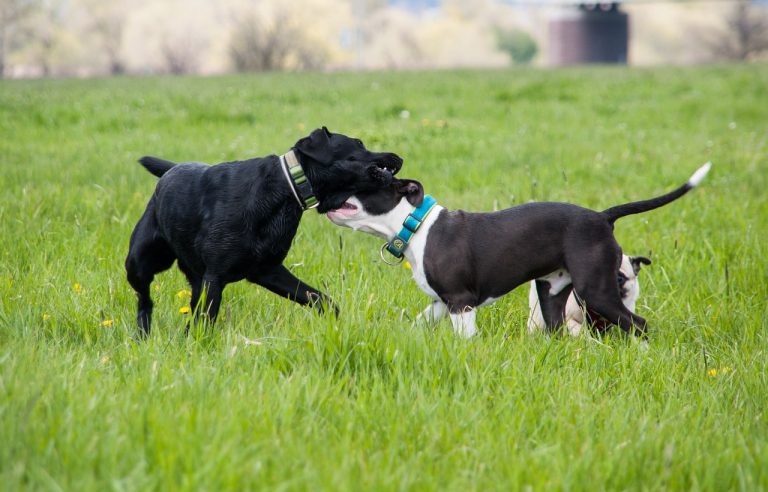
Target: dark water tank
591	33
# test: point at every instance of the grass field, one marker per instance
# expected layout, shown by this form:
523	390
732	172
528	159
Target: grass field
278	398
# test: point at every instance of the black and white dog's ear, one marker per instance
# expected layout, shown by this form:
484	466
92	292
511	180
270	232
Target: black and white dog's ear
317	145
637	261
411	190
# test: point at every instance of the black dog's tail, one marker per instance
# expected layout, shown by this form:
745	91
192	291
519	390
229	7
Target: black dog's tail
620	211
155	165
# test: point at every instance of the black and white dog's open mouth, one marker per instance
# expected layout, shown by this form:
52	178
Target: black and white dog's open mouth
347	208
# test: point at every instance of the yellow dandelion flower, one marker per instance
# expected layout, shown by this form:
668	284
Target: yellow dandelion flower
107	322
77	287
104	360
407	265
723	370
185	309
184	293
425	122
46	316
440	123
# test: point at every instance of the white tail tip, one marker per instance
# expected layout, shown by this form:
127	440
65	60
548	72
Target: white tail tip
699	175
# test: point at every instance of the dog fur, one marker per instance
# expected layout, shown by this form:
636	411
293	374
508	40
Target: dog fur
236	220
575	317
466	260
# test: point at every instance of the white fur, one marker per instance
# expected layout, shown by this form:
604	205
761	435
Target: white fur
464	323
574	314
699	175
433	313
558	280
386	226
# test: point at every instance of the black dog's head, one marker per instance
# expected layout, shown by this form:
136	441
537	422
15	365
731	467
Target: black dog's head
338	167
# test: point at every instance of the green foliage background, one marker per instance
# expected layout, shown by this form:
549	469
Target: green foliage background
278	398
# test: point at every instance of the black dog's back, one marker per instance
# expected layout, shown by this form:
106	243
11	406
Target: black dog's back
155	165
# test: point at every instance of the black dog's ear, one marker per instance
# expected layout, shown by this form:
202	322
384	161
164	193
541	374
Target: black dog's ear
411	190
637	261
317	145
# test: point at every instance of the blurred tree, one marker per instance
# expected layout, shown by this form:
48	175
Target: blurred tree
277	42
745	34
519	45
106	23
13	28
180	55
51	39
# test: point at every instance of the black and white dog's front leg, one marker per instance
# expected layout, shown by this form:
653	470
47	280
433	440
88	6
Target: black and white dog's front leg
463	321
283	283
433	313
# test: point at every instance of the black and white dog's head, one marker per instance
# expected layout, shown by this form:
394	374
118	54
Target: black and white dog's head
338	166
379	211
629	287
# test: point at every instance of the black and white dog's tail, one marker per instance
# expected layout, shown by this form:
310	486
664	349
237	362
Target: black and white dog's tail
620	211
155	165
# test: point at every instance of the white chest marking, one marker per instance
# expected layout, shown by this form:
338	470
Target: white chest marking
415	253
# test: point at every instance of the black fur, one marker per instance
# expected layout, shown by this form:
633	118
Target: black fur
156	166
236	220
619	211
472	257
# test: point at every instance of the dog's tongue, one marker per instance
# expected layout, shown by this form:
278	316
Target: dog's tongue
345	209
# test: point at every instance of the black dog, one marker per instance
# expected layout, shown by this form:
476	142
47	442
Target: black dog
236	220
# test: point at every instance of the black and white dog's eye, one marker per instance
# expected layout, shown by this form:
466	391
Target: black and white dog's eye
621	279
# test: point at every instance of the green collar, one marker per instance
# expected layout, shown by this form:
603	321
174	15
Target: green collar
398	244
297	180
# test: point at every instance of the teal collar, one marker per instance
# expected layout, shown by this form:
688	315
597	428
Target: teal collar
411	224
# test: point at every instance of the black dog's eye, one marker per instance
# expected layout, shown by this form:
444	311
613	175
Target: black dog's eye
360	142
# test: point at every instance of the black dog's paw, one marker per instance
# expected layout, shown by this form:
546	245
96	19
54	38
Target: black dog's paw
322	303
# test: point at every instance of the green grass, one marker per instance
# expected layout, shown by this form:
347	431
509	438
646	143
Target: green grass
370	401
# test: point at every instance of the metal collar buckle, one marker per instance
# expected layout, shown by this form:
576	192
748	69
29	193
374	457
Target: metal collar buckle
384	257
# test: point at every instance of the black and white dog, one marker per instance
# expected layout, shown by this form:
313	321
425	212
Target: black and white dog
575	317
466	260
236	220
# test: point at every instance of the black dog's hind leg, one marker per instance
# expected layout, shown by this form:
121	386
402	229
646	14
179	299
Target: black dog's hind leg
283	283
210	293
147	255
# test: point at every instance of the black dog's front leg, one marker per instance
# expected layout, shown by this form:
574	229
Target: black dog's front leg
283	283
